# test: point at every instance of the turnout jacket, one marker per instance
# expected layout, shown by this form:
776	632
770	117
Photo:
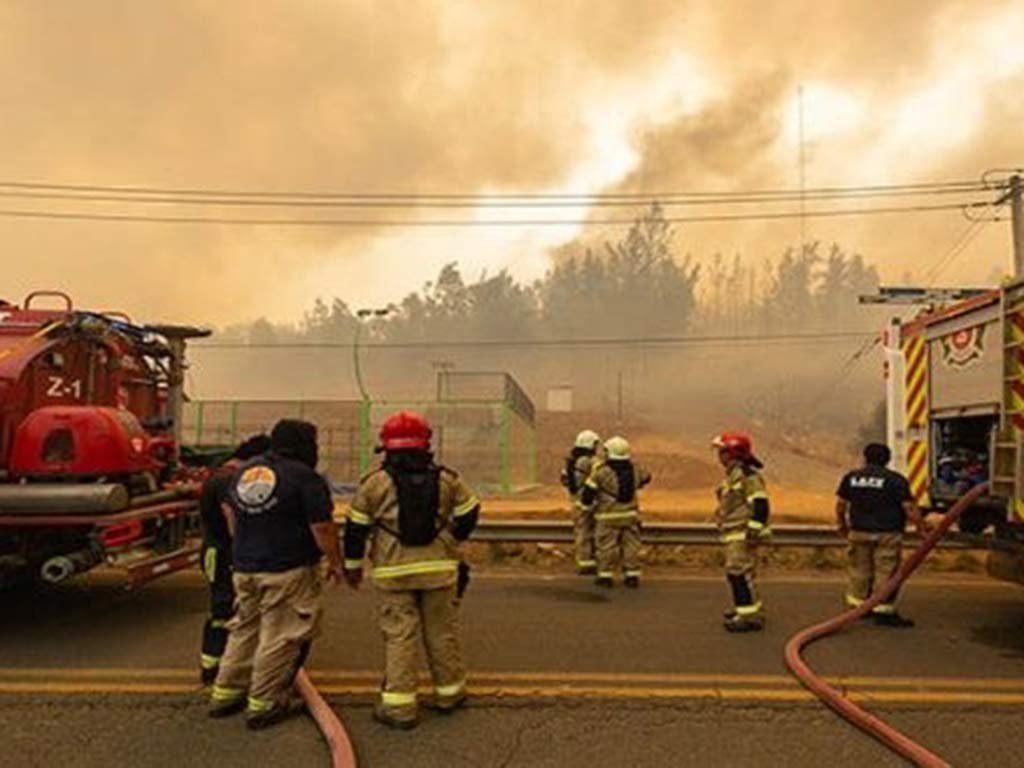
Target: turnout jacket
372	530
613	503
742	501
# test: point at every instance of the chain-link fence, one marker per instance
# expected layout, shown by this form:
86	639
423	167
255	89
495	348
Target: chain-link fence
489	442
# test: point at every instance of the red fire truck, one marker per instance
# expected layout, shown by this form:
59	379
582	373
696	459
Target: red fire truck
955	408
91	470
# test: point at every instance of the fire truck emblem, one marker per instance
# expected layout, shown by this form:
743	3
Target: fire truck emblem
964	348
256	485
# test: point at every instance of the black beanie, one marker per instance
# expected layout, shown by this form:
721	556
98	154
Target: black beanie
295	439
252	447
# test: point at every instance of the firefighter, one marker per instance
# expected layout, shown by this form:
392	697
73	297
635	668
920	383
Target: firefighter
872	509
578	465
742	518
408	517
216	554
611	490
281	517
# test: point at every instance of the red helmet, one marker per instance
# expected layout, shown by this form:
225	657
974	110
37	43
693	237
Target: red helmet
405	431
737	445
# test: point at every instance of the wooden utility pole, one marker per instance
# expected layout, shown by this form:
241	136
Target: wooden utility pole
1017	221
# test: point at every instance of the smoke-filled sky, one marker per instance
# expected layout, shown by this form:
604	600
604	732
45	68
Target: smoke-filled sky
470	96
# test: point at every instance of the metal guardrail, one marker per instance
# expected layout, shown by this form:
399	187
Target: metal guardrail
695	534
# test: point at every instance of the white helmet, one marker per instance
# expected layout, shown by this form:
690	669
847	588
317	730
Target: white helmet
617	448
588	439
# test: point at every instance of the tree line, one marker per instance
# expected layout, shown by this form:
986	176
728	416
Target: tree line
642	285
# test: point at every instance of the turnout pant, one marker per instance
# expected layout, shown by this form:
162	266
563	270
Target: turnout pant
741	572
583	530
411	619
618	541
217	569
276	618
872	559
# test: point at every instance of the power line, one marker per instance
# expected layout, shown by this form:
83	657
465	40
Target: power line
842	374
659	341
972	230
960	245
667	201
475	197
472	223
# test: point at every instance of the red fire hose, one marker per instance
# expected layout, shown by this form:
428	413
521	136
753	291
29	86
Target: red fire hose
863	719
342	754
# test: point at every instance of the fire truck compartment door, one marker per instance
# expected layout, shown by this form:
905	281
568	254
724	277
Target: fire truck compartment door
966	361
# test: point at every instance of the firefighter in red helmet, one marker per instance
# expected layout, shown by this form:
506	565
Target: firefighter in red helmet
407	518
742	518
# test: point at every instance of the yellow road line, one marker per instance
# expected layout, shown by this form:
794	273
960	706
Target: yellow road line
115	675
557	692
46	686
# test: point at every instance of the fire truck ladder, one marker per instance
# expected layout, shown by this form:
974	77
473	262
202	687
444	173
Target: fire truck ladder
1007	469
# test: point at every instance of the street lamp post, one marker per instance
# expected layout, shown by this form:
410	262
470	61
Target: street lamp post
362	315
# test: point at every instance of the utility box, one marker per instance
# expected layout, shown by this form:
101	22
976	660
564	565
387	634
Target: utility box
560	399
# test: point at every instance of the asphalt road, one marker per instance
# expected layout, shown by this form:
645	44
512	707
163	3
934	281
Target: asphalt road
563	674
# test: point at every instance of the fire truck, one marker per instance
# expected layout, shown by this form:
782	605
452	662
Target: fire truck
955	411
91	471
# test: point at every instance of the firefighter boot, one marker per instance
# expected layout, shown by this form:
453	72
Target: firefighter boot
604	581
737	623
225	702
257	721
893	620
633	582
383	716
446	705
207	675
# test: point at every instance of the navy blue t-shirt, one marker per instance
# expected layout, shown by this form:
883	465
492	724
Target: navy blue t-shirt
876	497
276	499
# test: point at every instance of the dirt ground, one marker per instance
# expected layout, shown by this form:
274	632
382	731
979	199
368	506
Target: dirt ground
802	473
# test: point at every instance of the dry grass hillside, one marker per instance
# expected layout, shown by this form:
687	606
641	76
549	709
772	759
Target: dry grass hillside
802	471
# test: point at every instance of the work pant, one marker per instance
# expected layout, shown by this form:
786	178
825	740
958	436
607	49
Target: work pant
618	541
277	615
583	529
217	569
741	572
872	559
414	618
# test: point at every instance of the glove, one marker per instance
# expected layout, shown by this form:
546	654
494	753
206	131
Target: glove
462	583
758	532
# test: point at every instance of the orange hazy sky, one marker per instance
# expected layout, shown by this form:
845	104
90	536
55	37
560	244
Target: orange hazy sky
480	97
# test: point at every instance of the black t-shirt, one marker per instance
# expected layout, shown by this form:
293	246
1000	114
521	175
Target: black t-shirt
876	497
275	500
213	494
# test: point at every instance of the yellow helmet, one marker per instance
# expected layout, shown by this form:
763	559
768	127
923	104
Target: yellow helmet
617	448
588	439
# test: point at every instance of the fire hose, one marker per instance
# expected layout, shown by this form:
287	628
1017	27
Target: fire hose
342	753
874	726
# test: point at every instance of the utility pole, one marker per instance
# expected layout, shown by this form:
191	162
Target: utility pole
1017	221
